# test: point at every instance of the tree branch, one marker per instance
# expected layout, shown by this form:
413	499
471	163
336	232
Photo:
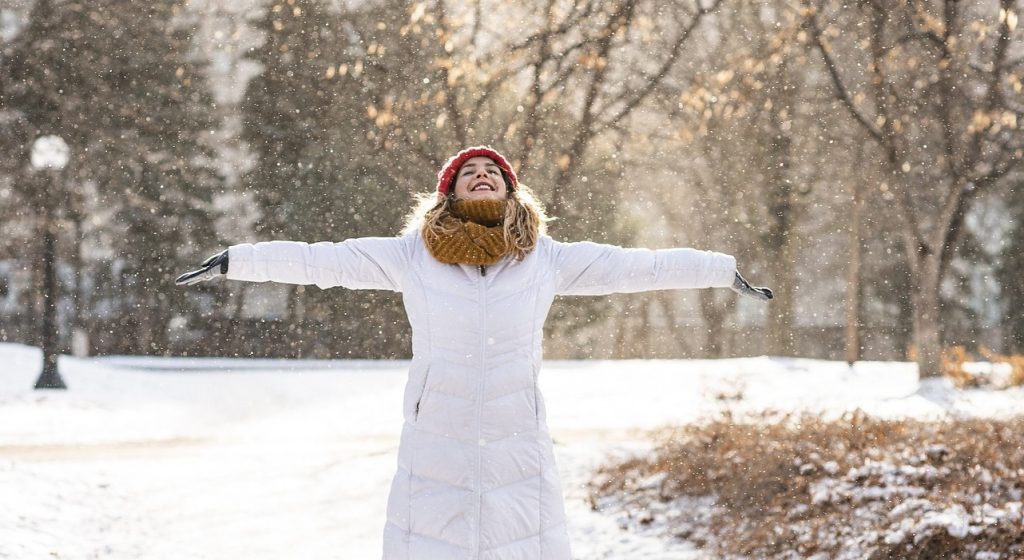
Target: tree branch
585	129
842	93
530	115
946	88
450	98
572	21
994	98
914	243
951	222
670	60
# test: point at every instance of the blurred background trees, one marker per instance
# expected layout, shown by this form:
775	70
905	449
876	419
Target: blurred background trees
859	159
935	86
123	87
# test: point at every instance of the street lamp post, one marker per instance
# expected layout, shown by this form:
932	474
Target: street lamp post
49	153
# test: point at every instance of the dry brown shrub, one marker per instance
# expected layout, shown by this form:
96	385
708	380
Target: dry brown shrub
1015	361
955	360
952	364
764	474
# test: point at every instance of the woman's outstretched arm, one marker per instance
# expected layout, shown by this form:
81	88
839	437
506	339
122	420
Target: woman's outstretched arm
587	268
366	262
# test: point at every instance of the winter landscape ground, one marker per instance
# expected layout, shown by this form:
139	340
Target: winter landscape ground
266	459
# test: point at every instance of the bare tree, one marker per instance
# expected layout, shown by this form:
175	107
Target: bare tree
556	90
742	114
934	86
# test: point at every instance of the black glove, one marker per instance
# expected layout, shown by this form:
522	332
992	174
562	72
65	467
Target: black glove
741	287
213	266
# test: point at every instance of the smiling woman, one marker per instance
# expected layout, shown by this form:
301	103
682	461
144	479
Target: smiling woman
479	212
476	469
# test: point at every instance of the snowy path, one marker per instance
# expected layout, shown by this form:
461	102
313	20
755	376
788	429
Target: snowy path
221	459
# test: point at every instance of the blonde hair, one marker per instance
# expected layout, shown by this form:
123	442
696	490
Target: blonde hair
524	222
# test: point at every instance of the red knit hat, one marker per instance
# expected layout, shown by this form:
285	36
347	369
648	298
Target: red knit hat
447	173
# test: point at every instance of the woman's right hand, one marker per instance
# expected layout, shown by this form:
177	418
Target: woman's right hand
213	266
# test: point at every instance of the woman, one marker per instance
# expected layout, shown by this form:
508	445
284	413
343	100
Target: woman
476	473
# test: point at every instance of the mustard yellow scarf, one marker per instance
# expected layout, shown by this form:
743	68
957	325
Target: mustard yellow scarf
472	234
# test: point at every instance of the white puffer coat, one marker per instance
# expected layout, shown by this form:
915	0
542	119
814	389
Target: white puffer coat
476	471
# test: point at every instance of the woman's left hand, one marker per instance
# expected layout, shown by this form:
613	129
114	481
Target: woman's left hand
741	287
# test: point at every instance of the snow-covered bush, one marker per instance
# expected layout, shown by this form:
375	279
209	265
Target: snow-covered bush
803	487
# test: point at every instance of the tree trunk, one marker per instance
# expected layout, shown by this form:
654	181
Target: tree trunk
781	313
714	320
144	312
664	299
927	339
853	283
623	326
645	336
781	236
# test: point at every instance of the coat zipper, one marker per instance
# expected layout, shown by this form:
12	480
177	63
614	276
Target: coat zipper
480	409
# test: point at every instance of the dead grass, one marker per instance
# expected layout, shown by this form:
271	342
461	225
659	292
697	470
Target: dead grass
797	487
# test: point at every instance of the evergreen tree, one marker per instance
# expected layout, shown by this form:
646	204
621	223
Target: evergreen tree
116	79
313	180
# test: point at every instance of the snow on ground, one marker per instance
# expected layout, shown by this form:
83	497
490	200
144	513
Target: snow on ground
266	459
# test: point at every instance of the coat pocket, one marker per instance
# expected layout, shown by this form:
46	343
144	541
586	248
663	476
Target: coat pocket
420	397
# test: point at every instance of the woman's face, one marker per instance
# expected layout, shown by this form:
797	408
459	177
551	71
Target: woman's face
480	179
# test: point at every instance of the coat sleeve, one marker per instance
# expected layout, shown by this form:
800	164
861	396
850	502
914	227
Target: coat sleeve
360	263
587	268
